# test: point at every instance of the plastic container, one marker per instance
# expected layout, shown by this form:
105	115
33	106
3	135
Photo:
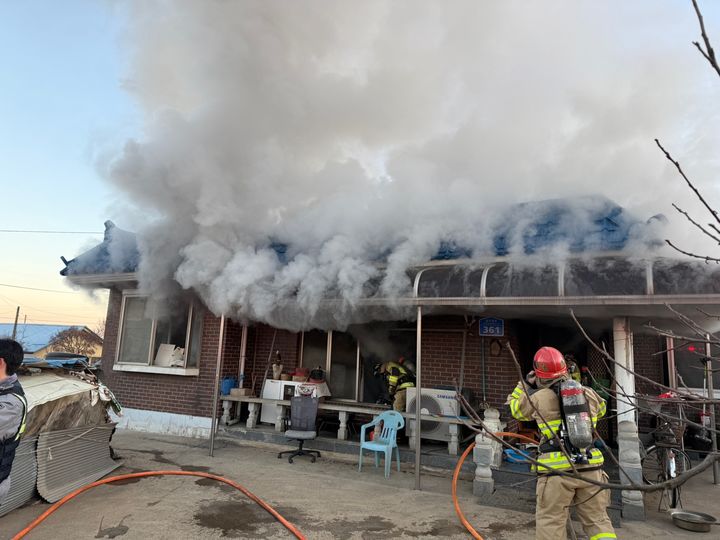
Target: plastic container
227	384
513	456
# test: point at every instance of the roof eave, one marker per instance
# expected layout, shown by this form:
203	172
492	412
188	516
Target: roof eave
104	281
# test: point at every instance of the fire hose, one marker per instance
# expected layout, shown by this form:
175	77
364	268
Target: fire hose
289	526
456	475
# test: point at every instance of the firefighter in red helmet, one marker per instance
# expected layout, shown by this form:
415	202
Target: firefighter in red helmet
545	404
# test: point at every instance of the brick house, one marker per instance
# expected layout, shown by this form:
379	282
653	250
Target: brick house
162	368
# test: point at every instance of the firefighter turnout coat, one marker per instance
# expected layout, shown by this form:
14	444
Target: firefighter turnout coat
555	493
525	408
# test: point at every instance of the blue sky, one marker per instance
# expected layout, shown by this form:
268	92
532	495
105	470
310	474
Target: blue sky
61	104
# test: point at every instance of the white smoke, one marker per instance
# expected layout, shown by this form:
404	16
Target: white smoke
362	131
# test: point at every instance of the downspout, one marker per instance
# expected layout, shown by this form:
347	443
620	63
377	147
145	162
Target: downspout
216	391
418	396
243	356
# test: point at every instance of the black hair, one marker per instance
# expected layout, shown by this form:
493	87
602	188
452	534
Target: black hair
12	352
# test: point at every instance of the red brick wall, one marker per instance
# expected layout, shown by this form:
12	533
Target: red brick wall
441	356
288	343
170	393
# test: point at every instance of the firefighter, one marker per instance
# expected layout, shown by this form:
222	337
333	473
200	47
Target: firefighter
554	493
398	379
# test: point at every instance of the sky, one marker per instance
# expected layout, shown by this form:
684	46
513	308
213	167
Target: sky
61	106
80	78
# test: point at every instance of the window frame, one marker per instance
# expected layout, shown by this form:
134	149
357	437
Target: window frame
148	367
328	365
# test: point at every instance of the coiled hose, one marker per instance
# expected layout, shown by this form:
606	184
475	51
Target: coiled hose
42	517
456	475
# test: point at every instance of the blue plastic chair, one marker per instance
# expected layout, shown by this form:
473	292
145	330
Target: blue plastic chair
392	421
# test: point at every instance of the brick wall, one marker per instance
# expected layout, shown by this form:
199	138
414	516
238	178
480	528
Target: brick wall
288	343
191	395
441	358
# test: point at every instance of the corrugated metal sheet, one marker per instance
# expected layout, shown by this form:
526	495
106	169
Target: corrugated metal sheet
72	458
22	476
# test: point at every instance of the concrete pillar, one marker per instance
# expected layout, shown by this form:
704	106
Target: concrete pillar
487	455
483	483
628	440
629	458
492	421
625	381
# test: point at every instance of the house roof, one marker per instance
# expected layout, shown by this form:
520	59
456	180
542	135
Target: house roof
35	337
584	224
118	253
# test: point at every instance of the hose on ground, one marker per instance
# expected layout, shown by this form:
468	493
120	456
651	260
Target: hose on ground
456	475
289	526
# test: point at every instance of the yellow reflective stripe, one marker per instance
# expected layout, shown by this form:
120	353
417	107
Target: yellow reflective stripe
558	461
24	417
548	430
603	409
603	535
515	411
594	421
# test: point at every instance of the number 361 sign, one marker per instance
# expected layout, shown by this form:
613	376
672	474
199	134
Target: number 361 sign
492	326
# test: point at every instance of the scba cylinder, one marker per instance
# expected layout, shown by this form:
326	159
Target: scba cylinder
577	414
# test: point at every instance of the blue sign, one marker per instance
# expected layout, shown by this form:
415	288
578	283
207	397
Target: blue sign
492	326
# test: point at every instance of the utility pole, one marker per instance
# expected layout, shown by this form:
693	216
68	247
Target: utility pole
17	314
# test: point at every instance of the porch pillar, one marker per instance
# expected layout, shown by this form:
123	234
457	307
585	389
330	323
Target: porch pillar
628	440
487	455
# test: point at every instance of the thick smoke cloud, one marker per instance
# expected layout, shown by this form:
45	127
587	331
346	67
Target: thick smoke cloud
360	131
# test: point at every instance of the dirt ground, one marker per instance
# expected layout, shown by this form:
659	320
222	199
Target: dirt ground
326	499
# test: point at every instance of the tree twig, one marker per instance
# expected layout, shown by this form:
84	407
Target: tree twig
709	54
688	182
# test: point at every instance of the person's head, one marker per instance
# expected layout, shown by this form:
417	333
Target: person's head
549	364
11	356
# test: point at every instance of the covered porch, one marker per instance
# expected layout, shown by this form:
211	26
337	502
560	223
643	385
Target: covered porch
612	299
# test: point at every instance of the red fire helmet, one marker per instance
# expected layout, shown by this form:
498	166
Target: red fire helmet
549	363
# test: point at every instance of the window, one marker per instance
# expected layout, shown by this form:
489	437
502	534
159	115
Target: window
341	365
689	367
167	343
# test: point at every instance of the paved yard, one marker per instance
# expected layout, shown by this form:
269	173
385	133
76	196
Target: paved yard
326	499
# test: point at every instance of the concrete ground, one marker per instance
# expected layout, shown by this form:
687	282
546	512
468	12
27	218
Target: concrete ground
326	499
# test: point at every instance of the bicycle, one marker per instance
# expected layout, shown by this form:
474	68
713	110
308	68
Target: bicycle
666	458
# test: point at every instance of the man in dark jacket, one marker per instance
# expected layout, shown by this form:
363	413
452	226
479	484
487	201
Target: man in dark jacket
13	409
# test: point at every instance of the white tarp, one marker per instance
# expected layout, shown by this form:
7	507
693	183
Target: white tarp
45	387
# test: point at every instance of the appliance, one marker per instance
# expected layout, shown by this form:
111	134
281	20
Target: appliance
435	401
274	389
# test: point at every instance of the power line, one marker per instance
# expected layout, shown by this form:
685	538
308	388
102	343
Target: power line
37	289
21	231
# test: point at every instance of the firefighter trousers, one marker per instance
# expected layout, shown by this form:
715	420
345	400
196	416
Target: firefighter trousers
554	495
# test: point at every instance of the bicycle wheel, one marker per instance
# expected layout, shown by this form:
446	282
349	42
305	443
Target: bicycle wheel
654	466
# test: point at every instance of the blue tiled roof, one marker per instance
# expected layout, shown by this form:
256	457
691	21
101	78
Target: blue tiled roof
33	337
583	224
117	254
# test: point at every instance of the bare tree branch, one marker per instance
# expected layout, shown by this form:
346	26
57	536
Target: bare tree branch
691	220
688	182
701	257
709	54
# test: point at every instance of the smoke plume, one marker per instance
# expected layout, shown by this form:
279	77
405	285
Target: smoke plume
358	132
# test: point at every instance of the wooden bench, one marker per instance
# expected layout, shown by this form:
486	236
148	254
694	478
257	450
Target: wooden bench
344	411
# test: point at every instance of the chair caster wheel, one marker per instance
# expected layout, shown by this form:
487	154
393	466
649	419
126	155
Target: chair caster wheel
312	460
290	460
